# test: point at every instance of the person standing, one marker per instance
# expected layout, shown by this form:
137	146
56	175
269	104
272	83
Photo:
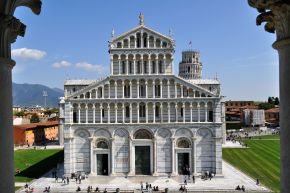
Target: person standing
193	179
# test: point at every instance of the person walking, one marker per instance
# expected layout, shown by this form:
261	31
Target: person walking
193	179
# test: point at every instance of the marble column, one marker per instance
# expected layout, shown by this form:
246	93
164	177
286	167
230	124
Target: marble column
109	117
146	109
116	84
183	112
94	113
168	109
101	113
123	89
155	157
131	161
176	112
112	64
276	14
138	113
146	89
130	90
86	107
194	156
198	112
119	61
112	156
6	122
154	113
10	28
153	88
91	155
168	89
138	88
173	173
190	112
123	113
116	113
161	112
130	112
79	113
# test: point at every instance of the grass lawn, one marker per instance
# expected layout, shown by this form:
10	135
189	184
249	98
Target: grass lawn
261	160
34	163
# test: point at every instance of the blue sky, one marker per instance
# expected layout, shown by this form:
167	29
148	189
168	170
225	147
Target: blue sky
76	33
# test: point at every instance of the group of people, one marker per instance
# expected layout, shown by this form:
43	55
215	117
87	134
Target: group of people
183	189
90	189
148	187
241	188
47	189
208	175
28	189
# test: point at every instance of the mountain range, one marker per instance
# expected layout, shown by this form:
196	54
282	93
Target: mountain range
26	95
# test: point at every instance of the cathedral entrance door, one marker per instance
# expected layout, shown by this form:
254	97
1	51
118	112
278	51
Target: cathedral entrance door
183	163
142	160
102	164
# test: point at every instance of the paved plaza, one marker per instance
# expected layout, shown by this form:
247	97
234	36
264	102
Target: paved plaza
226	183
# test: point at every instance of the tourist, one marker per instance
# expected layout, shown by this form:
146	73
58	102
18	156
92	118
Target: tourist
150	187
238	187
67	180
78	189
157	188
185	182
88	189
181	188
147	185
141	185
257	182
105	191
56	178
243	188
97	189
193	179
26	185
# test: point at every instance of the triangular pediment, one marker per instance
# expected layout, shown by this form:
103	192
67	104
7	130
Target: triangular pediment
144	29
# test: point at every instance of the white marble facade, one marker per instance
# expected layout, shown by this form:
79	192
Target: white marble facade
142	119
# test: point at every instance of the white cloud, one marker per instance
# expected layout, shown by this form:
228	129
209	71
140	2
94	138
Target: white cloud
61	64
90	67
26	53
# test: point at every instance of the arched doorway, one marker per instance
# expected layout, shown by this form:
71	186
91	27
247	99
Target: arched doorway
143	151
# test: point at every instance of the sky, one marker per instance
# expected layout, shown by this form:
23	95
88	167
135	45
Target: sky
69	39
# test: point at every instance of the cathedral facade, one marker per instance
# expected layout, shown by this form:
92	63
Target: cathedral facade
143	119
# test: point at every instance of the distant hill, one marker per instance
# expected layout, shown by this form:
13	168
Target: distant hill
32	94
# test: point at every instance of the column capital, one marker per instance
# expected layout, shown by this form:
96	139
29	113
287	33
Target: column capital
130	83
276	15
115	84
168	82
94	106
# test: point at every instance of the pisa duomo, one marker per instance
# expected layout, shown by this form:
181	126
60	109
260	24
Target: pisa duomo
142	119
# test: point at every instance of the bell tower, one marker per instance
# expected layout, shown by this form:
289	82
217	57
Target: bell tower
190	67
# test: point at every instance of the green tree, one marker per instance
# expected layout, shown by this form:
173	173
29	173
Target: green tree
276	102
266	106
34	118
20	114
270	100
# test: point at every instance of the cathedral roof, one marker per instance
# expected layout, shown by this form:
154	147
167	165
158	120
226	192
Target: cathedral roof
79	82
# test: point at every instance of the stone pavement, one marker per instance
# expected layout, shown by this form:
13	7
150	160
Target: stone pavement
226	183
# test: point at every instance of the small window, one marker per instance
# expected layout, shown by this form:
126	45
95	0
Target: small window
153	67
127	111
123	67
181	112
157	111
103	112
